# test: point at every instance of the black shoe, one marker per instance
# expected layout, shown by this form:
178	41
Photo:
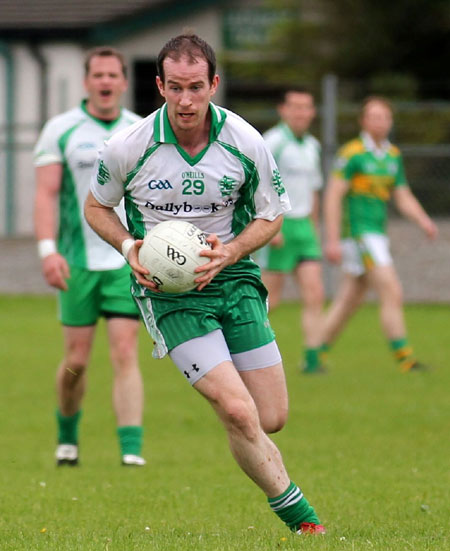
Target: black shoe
318	370
413	365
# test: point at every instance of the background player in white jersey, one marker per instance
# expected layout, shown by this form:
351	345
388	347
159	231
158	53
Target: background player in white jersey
92	277
217	173
296	248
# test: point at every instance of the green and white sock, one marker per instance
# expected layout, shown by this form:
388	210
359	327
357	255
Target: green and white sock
130	439
68	427
293	508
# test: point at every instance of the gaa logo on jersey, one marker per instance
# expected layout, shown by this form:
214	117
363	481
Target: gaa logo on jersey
159	184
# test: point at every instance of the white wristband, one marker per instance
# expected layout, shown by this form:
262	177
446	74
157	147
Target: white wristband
126	246
46	247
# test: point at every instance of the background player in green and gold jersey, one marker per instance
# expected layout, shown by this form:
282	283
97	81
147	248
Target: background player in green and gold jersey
368	171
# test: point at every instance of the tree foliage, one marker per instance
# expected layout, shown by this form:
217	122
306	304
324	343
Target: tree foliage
402	45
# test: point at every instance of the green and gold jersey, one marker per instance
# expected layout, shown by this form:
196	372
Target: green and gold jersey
73	139
372	174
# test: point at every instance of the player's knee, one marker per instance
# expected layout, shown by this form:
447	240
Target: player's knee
274	301
274	421
124	356
314	295
399	294
74	368
394	295
241	416
77	358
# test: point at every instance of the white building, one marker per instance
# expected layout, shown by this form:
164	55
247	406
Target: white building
42	46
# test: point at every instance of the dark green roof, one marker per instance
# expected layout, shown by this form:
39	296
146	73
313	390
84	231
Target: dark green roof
89	20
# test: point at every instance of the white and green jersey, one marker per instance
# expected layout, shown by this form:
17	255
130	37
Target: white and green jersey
73	140
231	182
299	162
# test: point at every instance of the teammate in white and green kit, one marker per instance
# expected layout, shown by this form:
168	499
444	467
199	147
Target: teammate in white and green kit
296	249
92	277
194	161
368	170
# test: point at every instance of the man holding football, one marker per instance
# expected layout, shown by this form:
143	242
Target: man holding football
92	278
224	180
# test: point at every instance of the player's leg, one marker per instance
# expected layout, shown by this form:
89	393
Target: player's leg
274	285
206	363
78	314
128	392
255	453
70	389
121	314
71	374
383	277
276	262
309	281
386	283
268	389
348	298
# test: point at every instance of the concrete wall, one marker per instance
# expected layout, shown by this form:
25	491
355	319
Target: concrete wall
423	266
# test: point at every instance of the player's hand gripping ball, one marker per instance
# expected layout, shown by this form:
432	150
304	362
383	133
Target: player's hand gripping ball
170	253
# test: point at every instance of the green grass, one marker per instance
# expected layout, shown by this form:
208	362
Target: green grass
369	446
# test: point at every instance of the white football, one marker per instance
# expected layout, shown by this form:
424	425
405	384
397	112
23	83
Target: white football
170	253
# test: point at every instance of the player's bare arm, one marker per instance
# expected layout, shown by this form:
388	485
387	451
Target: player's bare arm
336	189
107	224
48	183
410	207
255	235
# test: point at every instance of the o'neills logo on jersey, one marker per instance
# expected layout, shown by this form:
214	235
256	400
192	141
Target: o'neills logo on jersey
187	208
159	184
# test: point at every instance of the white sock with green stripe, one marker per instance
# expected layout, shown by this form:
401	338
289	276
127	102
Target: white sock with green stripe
293	508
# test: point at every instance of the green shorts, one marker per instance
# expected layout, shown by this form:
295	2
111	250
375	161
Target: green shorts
234	303
94	294
301	243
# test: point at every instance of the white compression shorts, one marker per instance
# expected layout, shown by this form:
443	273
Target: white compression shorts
194	358
369	250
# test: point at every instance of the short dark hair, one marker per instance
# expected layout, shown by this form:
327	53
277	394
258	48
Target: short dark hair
104	51
375	99
191	46
282	97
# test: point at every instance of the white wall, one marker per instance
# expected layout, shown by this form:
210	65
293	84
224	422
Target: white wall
65	76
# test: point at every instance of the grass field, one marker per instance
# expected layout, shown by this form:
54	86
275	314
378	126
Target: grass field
369	446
